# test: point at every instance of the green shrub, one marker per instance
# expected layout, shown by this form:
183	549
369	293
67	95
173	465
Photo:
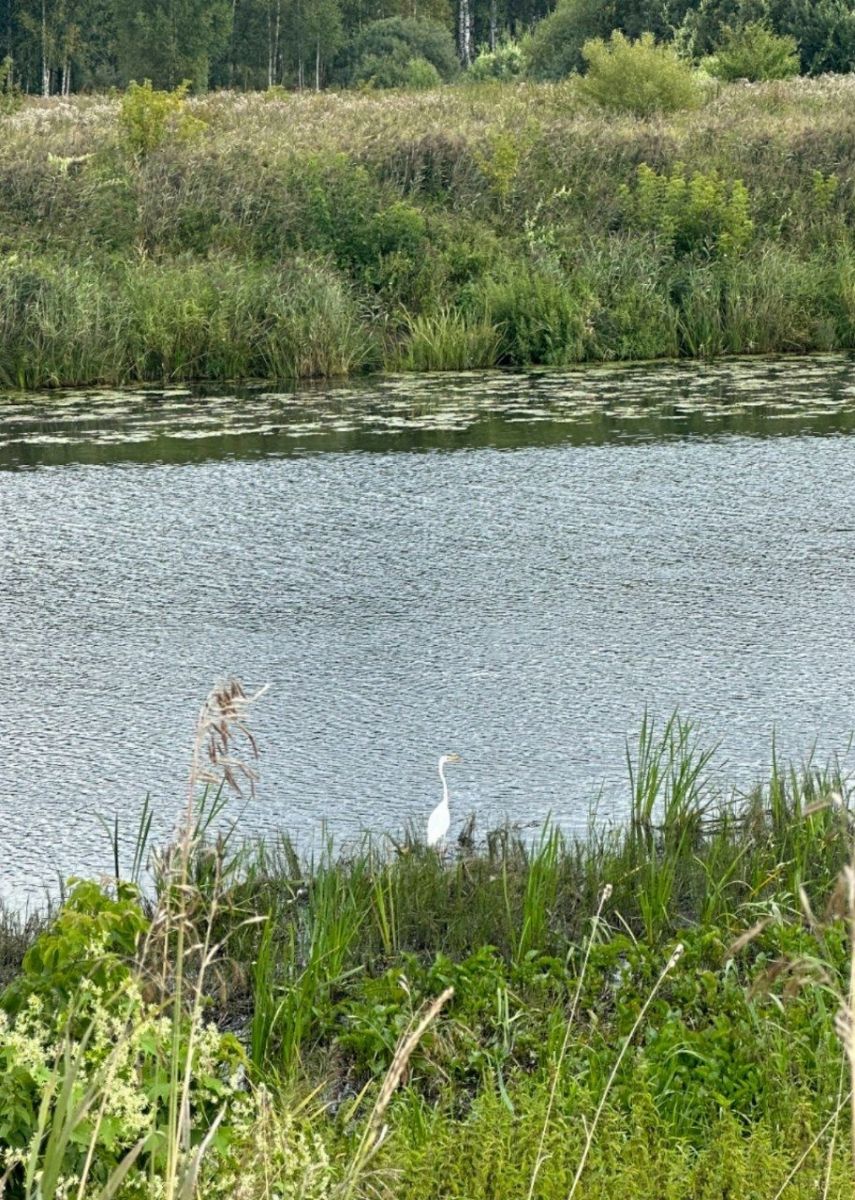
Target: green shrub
638	77
10	94
77	1037
540	317
699	214
331	204
755	53
148	117
420	75
507	61
95	937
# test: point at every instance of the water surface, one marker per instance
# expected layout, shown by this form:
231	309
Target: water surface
510	566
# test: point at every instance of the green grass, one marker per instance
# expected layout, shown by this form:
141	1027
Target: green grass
453	229
576	1043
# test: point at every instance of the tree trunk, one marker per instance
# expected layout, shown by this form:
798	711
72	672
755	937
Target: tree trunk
464	32
494	24
45	66
318	65
273	43
66	78
232	45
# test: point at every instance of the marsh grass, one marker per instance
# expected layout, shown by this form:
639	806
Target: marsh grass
291	239
446	341
517	1019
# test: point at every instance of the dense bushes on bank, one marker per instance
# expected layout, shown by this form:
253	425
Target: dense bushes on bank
503	224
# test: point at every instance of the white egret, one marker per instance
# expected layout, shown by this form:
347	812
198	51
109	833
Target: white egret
440	818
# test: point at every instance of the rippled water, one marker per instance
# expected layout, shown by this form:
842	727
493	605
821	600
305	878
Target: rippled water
507	566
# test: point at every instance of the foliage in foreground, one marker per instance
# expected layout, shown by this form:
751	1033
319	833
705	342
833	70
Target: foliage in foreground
653	1008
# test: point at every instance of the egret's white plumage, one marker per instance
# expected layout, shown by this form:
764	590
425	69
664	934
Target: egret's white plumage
440	818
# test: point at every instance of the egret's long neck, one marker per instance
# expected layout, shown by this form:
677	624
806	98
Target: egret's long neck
444	784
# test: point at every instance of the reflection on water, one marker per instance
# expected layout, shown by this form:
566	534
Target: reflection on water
521	608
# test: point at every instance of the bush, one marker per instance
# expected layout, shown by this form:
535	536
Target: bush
420	75
755	53
507	61
540	317
148	117
390	53
638	77
701	214
10	94
77	1035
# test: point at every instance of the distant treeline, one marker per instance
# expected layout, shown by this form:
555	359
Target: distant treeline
64	46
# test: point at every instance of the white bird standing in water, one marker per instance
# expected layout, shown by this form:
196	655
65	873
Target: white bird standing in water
440	818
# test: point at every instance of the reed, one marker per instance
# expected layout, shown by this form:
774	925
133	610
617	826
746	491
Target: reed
496	1023
450	230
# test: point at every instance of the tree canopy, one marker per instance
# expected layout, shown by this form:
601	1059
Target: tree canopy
72	45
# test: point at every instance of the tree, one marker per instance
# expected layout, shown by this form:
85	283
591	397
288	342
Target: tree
556	45
823	29
312	33
168	41
394	43
754	52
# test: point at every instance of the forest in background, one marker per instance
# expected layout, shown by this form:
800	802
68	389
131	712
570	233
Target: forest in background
65	46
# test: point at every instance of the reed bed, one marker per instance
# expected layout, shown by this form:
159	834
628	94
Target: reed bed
308	235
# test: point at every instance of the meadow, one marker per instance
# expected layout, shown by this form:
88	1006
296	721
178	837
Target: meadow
286	235
662	1006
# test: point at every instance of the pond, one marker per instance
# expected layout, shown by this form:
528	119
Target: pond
508	566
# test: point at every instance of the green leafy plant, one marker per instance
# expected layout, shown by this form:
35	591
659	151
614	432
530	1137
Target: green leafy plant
383	53
85	1058
95	937
698	214
148	118
420	74
555	48
10	94
506	61
640	77
755	53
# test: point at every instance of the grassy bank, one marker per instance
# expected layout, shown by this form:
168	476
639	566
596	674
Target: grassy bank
314	235
652	1008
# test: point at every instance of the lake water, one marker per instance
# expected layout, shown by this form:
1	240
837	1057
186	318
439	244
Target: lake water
509	566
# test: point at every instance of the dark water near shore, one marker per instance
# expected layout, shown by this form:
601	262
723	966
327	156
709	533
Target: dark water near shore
507	566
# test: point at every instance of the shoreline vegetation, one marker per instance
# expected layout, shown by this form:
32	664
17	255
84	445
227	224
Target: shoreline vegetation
661	1008
157	237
